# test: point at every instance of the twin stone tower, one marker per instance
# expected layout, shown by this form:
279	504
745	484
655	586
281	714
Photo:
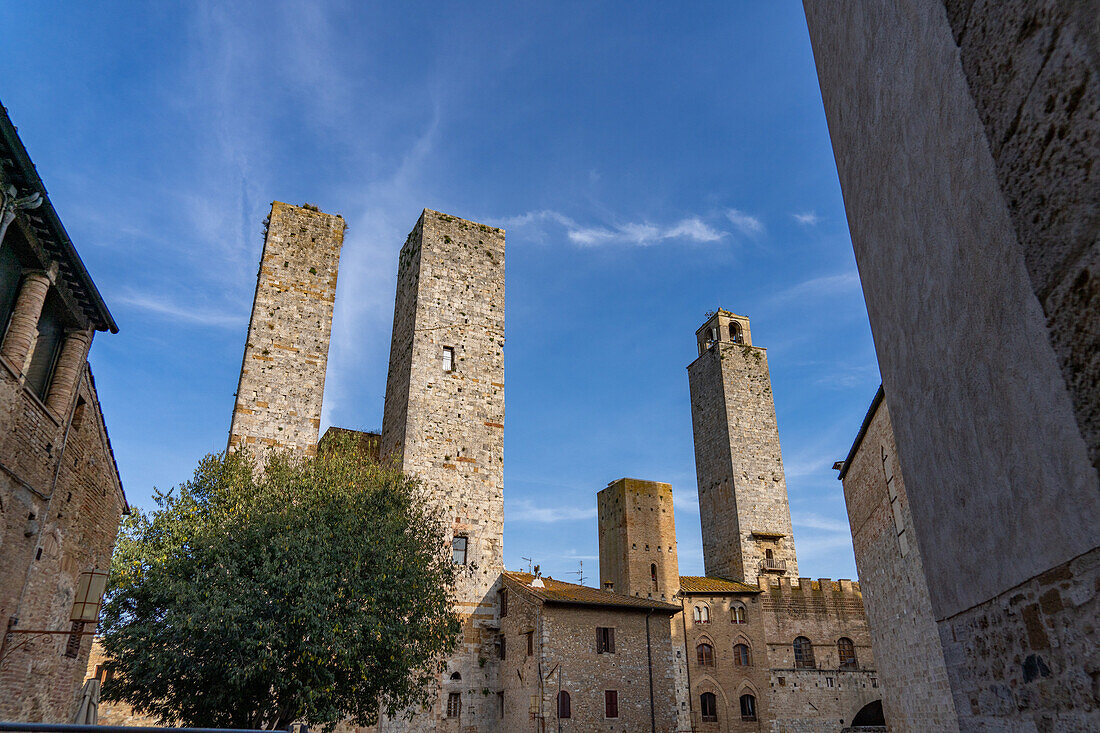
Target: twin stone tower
444	409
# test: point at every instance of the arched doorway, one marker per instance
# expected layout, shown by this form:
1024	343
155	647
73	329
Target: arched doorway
869	715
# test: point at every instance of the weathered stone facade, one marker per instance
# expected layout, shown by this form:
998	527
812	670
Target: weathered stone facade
60	494
638	539
965	135
742	490
916	695
444	421
561	621
282	381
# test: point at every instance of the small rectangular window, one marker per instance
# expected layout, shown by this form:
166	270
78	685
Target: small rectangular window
503	602
448	359
458	544
611	703
530	643
500	702
454	705
503	647
605	640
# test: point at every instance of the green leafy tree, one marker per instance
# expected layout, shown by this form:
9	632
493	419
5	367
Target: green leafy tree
315	590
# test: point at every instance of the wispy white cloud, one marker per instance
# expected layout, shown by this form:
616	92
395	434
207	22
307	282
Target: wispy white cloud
806	218
525	510
203	316
817	521
821	286
745	223
642	234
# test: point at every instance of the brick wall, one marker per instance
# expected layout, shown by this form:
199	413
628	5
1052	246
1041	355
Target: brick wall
74	529
638	531
283	371
725	678
447	427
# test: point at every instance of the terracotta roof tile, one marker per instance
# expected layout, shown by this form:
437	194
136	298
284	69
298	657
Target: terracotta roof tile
698	584
558	591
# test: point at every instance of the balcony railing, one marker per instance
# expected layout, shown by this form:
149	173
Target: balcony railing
771	565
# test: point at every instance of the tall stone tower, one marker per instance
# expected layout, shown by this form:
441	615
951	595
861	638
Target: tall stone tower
444	420
283	372
638	539
743	503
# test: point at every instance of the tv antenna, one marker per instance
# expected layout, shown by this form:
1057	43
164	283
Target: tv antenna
529	561
579	572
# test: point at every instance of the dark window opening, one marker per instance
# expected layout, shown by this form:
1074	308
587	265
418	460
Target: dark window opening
564	708
611	703
503	647
804	654
704	654
605	640
11	272
456	676
454	705
46	348
503	602
735	333
846	648
653	575
748	707
708	707
530	643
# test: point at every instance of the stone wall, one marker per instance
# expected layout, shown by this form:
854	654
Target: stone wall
447	426
282	380
725	678
51	531
915	691
743	503
638	532
965	139
823	611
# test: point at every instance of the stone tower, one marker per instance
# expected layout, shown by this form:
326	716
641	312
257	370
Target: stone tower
638	539
743	503
283	372
444	421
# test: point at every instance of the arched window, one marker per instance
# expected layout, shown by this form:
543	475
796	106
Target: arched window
735	332
737	613
708	705
653	574
741	655
456	676
564	708
804	653
847	651
704	654
702	614
748	707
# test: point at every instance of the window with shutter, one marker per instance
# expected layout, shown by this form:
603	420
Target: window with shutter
448	359
611	703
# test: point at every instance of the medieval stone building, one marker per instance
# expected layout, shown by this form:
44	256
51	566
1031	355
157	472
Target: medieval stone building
755	646
967	143
60	494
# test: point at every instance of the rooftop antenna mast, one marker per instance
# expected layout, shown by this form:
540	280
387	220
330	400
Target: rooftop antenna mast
529	561
579	572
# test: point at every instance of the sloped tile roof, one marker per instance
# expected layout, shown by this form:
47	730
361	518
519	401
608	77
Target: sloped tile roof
698	584
558	591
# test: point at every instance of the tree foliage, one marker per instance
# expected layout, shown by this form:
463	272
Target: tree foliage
316	590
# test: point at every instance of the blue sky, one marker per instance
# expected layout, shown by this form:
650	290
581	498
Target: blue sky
649	162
